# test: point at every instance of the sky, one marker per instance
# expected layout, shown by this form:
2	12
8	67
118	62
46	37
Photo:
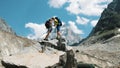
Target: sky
27	17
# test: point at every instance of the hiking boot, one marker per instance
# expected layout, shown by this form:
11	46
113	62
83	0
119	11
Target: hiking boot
58	37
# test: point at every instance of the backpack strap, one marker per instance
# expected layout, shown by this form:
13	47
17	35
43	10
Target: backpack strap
56	22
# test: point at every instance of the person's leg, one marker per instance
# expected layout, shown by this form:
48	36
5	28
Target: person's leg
49	31
46	37
58	32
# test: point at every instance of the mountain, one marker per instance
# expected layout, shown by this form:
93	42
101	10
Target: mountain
5	27
109	23
102	46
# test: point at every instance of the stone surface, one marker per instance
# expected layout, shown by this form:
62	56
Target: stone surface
21	52
66	61
109	20
5	27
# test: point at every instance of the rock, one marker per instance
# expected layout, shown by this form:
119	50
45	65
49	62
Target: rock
11	44
7	65
66	61
83	65
5	27
34	60
70	61
59	45
109	20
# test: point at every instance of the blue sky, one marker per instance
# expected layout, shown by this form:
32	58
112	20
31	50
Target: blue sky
26	17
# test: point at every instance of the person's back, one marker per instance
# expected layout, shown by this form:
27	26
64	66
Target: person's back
48	24
59	21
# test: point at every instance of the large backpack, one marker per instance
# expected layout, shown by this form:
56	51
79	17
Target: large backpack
59	21
47	24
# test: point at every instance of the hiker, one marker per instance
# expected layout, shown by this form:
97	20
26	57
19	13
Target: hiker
48	25
57	23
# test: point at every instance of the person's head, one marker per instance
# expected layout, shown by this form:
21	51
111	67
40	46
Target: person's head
51	20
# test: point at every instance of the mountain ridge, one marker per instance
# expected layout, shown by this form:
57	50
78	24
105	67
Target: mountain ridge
5	27
102	46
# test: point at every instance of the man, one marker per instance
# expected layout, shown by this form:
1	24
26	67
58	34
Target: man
57	24
48	25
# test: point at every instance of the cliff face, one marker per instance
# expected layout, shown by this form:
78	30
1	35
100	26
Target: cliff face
9	42
110	19
102	47
108	24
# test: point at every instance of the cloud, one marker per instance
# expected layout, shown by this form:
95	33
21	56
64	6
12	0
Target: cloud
82	20
74	7
74	28
56	3
94	22
38	30
90	8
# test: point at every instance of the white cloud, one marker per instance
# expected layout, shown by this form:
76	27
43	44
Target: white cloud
94	22
74	28
73	7
91	8
38	30
56	3
82	20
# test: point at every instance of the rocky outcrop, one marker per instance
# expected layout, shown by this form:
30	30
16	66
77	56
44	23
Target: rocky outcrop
70	60
11	44
56	44
109	19
33	53
108	24
5	27
66	61
20	52
7	65
63	58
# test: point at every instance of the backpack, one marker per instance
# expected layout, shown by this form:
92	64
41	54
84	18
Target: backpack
47	24
59	21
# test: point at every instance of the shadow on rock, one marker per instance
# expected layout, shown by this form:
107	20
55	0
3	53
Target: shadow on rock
8	65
